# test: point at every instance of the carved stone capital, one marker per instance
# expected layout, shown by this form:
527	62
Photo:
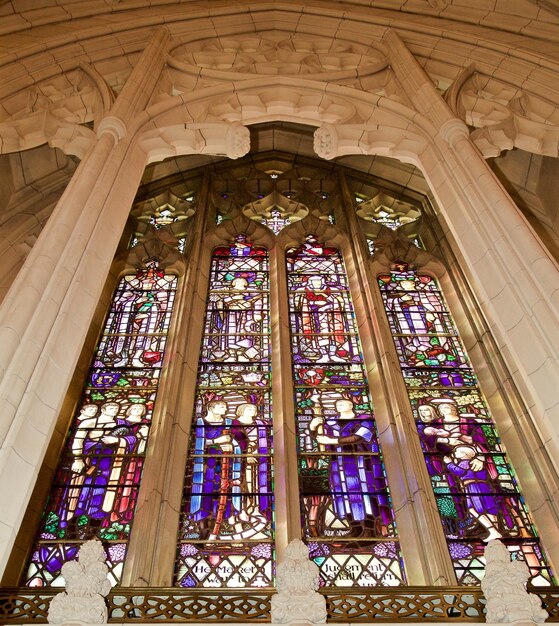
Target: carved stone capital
113	126
504	587
297	601
86	587
453	129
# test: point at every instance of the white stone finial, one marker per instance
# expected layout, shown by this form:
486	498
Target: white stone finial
237	140
326	141
504	587
297	600
86	587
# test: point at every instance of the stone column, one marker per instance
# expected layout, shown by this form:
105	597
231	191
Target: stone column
286	477
423	543
512	273
46	314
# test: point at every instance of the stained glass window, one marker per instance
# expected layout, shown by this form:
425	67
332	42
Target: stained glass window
347	517
96	484
226	529
474	485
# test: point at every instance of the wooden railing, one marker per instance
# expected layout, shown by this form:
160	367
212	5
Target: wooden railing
395	604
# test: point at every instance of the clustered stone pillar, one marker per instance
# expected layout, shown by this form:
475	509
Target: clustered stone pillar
47	312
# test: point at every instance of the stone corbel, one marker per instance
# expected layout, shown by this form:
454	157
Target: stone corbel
237	140
405	144
326	141
516	132
43	127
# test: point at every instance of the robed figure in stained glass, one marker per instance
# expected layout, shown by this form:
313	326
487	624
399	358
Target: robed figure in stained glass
416	314
236	316
356	477
101	467
476	483
253	438
324	332
139	312
216	480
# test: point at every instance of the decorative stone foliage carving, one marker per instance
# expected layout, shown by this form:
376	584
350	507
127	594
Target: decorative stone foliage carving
86	586
230	139
297	599
326	141
237	141
401	141
504	587
277	54
54	112
504	116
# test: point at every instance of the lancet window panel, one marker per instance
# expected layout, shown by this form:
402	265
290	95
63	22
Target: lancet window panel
474	484
96	485
347	517
226	535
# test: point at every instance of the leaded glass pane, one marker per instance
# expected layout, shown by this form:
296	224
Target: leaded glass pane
474	485
347	517
226	529
96	485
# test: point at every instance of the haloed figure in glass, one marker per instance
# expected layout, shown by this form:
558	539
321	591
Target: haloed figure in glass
356	478
322	320
138	311
237	314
